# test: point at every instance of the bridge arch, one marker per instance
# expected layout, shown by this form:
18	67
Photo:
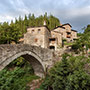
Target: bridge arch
35	60
40	58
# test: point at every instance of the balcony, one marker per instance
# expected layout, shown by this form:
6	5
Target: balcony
68	32
68	36
52	41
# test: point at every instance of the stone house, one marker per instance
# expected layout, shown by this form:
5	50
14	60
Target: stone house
67	32
74	34
55	40
60	30
43	37
38	36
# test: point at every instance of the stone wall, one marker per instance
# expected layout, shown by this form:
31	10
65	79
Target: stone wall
66	32
58	36
47	34
58	39
68	28
38	36
74	34
62	31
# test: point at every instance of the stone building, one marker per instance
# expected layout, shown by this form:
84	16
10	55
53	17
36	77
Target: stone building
66	32
43	37
60	30
38	36
74	34
55	40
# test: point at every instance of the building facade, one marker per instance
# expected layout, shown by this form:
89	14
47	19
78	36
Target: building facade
66	32
43	37
38	36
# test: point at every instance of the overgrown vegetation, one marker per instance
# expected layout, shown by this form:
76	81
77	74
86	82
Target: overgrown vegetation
83	43
16	75
69	74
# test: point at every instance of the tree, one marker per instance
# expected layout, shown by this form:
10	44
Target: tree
68	74
53	22
14	31
87	29
83	41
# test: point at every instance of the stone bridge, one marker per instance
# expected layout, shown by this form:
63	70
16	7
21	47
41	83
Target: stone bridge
40	58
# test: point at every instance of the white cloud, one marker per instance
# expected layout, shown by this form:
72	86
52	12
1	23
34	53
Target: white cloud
66	10
68	2
6	18
79	12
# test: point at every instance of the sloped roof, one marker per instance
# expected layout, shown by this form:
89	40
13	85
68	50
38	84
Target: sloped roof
58	27
67	24
74	30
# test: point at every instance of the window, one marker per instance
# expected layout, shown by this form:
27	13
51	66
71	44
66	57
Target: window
52	40
32	31
36	39
39	30
68	33
52	47
53	35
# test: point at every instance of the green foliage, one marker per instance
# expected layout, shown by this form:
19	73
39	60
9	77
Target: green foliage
16	78
87	29
46	84
69	44
79	80
14	31
84	40
69	74
79	34
64	40
18	62
53	22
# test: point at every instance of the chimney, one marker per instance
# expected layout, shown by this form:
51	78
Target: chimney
44	23
60	24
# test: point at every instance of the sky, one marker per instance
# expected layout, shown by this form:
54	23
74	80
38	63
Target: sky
74	12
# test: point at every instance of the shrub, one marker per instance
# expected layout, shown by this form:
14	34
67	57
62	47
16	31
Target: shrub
69	74
17	78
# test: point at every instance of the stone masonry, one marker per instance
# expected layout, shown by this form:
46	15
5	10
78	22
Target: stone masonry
40	58
41	36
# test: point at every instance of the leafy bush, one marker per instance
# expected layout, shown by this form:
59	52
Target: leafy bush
17	78
83	42
69	74
20	62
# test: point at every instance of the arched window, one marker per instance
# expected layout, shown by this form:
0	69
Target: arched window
39	30
32	31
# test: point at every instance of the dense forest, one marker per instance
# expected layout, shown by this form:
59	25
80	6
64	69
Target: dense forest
15	30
